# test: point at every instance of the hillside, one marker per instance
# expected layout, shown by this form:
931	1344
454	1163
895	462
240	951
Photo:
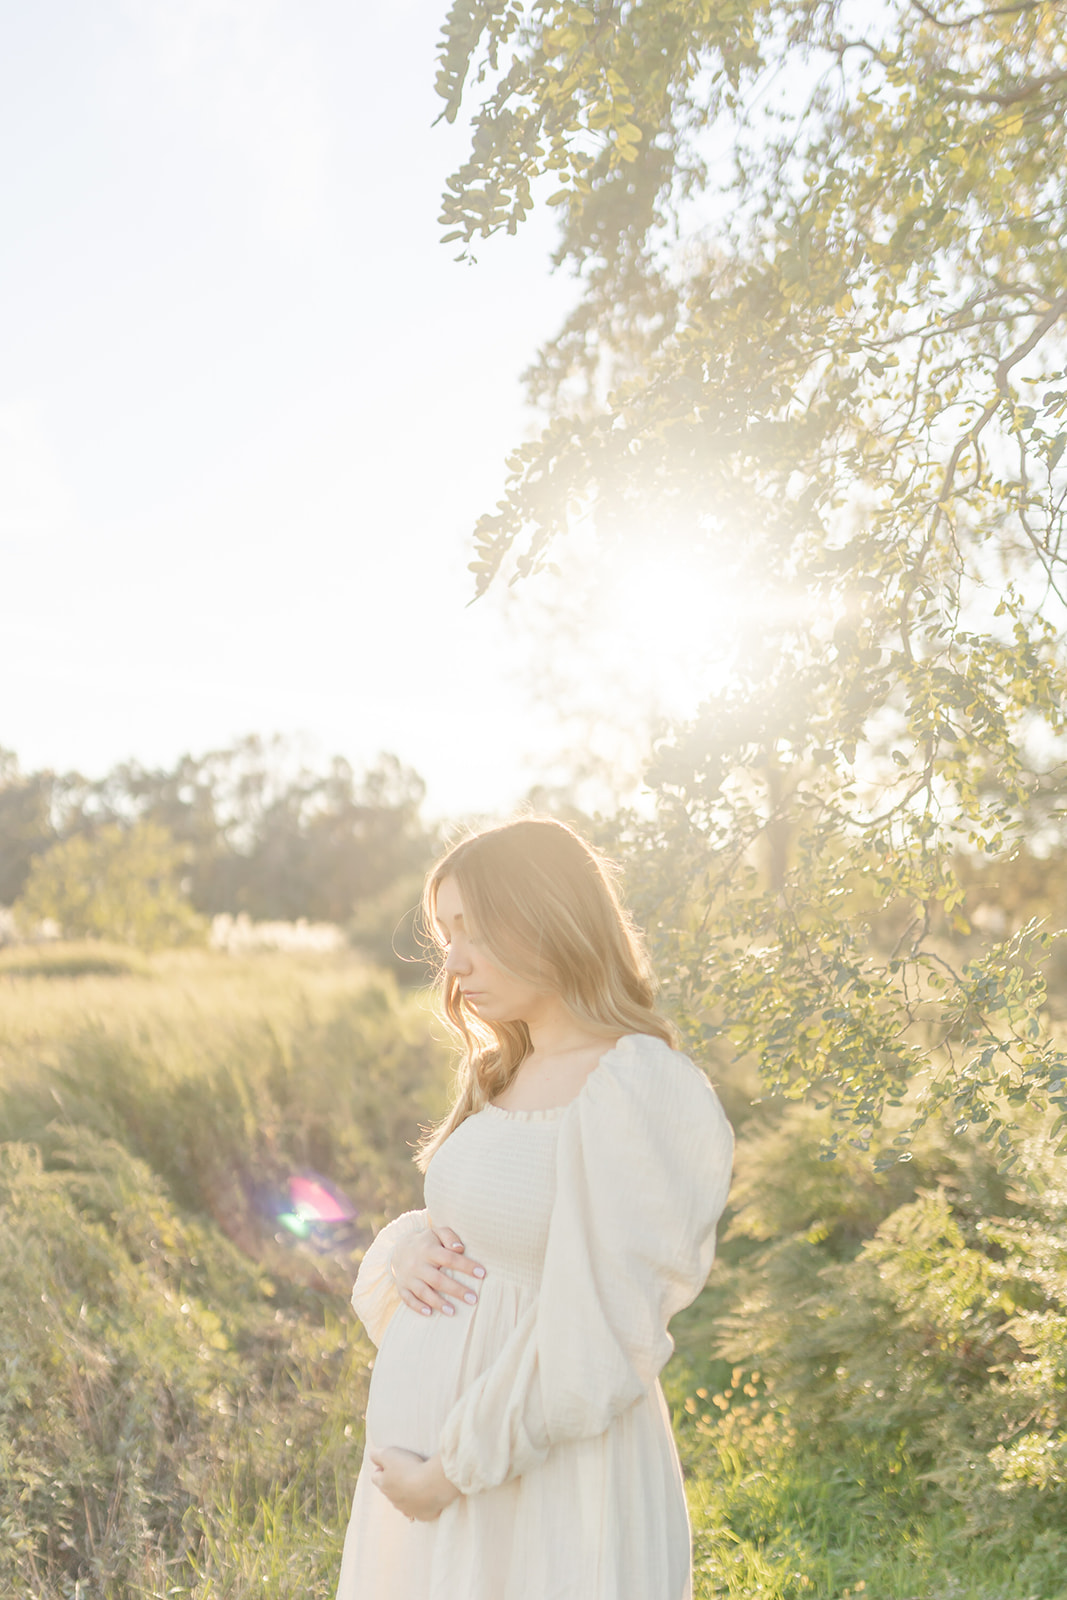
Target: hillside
869	1397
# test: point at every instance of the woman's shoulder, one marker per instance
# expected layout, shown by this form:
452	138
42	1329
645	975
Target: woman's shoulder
649	1116
646	1057
657	1080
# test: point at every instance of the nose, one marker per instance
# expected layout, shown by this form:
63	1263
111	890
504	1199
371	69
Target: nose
455	960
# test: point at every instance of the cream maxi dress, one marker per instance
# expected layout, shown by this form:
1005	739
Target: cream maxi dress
595	1223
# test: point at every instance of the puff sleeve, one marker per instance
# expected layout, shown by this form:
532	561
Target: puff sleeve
642	1173
374	1295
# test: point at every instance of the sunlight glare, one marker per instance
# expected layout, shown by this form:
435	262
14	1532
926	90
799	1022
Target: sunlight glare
675	627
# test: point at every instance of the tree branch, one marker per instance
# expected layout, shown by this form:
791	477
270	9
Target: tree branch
976	16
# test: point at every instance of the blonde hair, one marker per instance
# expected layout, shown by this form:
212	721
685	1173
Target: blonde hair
542	904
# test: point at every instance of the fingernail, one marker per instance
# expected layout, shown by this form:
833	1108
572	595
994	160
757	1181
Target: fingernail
479	1272
425	1310
471	1298
456	1247
449	1309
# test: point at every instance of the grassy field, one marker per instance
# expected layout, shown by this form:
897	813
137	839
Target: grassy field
183	1384
780	1516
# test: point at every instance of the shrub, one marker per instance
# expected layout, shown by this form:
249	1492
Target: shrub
118	883
939	1341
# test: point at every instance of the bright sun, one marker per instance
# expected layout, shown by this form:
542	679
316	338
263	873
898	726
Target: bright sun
623	638
667	629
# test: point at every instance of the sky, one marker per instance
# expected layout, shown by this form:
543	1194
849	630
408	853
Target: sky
250	407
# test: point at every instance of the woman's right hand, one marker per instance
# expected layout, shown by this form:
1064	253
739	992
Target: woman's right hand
418	1267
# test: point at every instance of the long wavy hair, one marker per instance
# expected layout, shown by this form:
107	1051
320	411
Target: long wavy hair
543	906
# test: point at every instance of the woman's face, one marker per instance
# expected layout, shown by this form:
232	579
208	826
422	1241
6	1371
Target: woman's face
493	994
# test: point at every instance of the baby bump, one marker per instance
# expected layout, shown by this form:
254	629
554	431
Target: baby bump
425	1363
416	1378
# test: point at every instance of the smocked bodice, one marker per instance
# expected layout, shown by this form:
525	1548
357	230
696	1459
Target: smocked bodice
493	1183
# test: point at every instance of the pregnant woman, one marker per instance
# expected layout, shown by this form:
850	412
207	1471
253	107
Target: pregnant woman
518	1445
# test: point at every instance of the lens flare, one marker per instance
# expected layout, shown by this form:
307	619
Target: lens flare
310	1208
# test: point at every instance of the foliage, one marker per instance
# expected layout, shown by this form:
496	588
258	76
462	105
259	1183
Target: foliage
869	1397
119	884
182	1394
226	1075
261	832
385	927
776	1519
25	824
818	361
150	1372
944	1338
180	1415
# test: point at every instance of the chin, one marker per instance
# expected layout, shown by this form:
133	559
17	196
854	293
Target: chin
485	1011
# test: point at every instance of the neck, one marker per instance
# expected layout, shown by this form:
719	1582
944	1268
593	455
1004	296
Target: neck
554	1030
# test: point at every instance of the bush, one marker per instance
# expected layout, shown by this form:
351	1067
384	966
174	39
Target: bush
118	883
936	1346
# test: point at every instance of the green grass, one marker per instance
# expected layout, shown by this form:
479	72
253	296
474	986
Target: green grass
778	1515
813	1528
88	958
181	1393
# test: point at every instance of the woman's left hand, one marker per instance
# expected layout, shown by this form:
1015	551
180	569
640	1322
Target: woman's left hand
416	1487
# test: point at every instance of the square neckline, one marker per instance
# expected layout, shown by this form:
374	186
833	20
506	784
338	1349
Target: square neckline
551	1113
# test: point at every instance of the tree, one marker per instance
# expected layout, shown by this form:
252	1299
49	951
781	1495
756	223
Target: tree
269	836
835	380
121	884
25	823
261	832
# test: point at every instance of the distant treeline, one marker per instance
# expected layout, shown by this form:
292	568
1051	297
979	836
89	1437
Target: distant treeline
261	832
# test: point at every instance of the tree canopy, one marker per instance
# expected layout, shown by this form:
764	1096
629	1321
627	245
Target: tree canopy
259	830
819	349
120	883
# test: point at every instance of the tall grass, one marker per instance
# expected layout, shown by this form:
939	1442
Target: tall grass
182	1390
223	1072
